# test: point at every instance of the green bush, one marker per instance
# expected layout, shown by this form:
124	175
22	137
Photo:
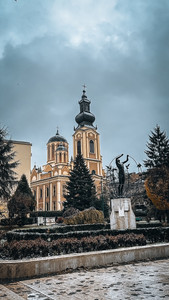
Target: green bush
16	221
66	228
39	247
69	212
87	216
46	214
152	235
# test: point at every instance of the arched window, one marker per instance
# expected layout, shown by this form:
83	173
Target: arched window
60	157
47	206
64	157
87	107
48	152
91	146
54	205
93	172
53	150
78	147
54	191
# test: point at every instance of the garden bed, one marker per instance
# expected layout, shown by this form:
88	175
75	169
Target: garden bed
41	248
50	241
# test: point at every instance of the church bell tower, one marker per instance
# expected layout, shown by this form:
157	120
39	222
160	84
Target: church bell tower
86	140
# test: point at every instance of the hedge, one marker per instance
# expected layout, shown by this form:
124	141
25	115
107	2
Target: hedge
16	221
67	228
39	247
46	214
152	235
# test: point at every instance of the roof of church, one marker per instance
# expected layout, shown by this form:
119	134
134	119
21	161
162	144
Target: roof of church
85	117
57	138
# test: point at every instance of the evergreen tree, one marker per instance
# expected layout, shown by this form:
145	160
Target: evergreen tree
7	166
158	149
22	202
102	204
157	181
81	193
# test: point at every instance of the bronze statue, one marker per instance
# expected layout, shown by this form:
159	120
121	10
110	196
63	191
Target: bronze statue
120	166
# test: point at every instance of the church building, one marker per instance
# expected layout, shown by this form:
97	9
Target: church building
49	183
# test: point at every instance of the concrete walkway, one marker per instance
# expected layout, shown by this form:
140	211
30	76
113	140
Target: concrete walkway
143	280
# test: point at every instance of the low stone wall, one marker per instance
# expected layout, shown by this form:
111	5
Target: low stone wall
28	268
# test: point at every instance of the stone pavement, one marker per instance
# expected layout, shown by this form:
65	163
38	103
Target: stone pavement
142	280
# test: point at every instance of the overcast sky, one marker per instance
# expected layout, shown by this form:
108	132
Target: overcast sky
118	48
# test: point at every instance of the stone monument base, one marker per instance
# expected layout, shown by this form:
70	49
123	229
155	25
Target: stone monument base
122	215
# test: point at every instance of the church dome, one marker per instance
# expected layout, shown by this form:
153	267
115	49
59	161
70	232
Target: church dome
85	117
57	138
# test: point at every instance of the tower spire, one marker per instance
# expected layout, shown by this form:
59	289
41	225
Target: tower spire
85	117
84	88
57	132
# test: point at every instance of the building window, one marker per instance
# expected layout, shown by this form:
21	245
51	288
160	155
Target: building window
47	192
91	146
93	172
47	206
79	147
54	190
54	205
48	152
87	107
60	157
64	157
53	150
41	193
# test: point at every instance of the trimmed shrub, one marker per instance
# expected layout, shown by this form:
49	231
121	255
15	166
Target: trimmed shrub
39	247
87	216
152	235
46	214
16	221
71	211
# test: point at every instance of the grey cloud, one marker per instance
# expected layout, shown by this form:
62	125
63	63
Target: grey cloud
41	78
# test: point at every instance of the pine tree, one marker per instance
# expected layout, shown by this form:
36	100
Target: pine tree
158	149
7	166
22	202
157	181
81	193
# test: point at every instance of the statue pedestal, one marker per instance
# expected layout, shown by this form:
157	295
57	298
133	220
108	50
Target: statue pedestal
122	215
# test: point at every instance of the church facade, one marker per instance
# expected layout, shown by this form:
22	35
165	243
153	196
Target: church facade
49	184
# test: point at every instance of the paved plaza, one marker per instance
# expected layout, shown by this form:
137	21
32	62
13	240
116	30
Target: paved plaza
143	280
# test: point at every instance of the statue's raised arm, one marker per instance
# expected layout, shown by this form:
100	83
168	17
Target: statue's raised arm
127	158
120	166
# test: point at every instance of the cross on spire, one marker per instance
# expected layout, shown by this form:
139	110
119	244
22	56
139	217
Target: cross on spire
84	86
